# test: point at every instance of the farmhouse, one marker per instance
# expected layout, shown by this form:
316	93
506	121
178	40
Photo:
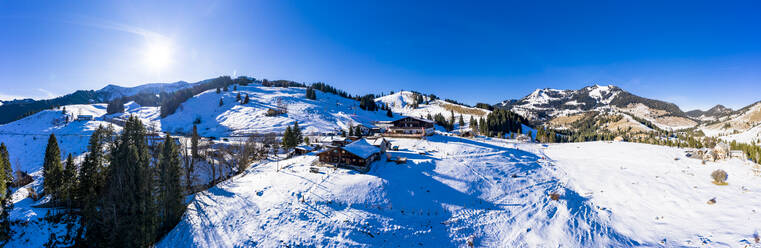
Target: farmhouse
358	155
410	127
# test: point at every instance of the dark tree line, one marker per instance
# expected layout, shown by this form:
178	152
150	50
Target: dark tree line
500	122
170	101
131	202
282	83
310	94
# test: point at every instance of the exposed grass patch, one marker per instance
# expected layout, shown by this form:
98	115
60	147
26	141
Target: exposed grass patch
463	110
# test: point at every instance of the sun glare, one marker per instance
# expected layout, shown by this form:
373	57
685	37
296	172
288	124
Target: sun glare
158	54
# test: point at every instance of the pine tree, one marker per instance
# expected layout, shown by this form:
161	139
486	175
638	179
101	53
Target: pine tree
358	131
128	207
298	136
194	143
5	163
69	182
221	102
6	203
171	199
219	90
245	100
225	88
287	137
91	180
237	97
52	169
351	131
462	122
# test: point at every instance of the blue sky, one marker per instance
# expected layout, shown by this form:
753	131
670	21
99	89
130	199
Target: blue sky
694	53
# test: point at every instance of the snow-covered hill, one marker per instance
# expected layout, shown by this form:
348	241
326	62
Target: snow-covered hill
402	102
493	193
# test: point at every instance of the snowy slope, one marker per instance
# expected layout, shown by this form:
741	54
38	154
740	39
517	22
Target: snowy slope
112	91
401	103
328	113
648	195
460	190
27	138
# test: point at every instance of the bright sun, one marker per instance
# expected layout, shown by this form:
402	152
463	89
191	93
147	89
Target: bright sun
158	54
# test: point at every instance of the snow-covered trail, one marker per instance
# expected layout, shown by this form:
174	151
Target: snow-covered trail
458	191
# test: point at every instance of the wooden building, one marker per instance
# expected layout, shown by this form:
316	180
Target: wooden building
358	155
410	127
381	143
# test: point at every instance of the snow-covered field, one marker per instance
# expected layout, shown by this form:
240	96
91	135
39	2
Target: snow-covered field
493	193
656	195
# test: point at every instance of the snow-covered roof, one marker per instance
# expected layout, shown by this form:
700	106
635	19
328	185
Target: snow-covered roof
329	139
377	142
304	147
361	148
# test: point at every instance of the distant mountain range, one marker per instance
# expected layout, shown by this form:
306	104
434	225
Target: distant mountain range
555	108
561	109
17	109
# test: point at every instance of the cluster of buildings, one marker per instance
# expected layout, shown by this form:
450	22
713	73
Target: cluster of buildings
720	151
359	153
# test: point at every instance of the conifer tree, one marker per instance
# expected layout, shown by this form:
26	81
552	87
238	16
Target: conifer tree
69	182
52	168
287	137
351	131
245	100
298	136
194	143
358	131
5	163
462	122
170	199
91	180
6	205
221	102
237	97
129	218
219	90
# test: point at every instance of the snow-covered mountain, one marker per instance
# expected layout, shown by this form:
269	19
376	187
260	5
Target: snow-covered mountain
711	114
544	105
402	102
742	125
112	91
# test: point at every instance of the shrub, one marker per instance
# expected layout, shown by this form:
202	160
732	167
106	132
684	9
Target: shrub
554	196
719	177
33	194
